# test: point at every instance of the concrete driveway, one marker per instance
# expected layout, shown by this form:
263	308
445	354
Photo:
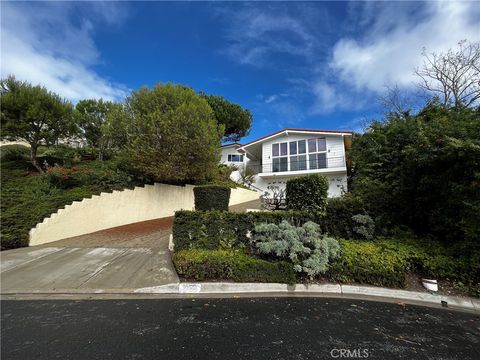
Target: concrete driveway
114	260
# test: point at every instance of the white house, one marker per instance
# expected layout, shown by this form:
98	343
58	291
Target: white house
231	155
288	153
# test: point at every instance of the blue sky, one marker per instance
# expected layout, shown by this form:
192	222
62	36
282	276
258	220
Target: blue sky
311	65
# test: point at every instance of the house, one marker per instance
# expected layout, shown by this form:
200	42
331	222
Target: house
231	155
289	153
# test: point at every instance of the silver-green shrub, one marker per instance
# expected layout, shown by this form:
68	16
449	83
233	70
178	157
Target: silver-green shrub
304	246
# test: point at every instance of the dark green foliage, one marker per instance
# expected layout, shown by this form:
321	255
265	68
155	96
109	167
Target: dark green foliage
171	134
27	199
198	264
96	173
422	171
91	114
34	114
385	262
236	120
14	152
211	197
340	211
307	193
223	229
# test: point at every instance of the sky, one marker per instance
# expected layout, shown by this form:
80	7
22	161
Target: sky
315	65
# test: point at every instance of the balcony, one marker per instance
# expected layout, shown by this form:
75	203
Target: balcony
284	166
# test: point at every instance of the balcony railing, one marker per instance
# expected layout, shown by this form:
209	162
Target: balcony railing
286	165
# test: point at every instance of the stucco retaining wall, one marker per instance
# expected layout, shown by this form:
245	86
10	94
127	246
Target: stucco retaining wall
118	208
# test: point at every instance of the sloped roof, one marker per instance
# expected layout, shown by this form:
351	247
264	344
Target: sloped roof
340	132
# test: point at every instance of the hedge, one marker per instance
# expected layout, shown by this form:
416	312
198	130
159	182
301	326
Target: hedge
201	264
307	193
368	263
386	262
222	229
211	197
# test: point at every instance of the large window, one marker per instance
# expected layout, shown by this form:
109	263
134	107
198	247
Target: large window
317	153
299	155
235	158
280	157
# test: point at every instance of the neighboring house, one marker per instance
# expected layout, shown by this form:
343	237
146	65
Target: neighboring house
289	153
231	156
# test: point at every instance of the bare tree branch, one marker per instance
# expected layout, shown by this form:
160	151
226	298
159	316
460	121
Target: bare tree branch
453	76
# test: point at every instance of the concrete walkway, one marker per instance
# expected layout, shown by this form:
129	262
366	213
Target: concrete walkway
121	259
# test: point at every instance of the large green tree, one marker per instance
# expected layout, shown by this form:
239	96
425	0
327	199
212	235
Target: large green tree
91	116
171	134
422	171
237	121
34	114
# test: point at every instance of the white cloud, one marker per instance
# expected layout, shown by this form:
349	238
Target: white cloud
391	48
42	44
256	35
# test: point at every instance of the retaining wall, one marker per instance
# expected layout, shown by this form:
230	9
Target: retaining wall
118	208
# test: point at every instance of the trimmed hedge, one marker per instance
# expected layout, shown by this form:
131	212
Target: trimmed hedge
386	262
222	229
307	193
211	197
201	264
368	263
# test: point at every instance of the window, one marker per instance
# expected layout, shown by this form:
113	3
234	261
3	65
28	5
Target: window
317	157
297	160
293	155
280	157
235	158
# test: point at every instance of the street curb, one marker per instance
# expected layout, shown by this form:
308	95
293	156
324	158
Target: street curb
212	288
269	289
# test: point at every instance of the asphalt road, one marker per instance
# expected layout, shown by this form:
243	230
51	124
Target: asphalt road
235	328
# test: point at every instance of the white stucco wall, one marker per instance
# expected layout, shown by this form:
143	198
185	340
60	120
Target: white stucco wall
118	208
337	183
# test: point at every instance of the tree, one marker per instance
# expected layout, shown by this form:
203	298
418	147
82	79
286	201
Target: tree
91	115
237	121
172	135
114	134
34	114
454	76
422	171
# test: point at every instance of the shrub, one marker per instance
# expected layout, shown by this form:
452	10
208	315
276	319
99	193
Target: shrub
199	264
211	197
223	229
304	246
60	155
368	263
61	177
340	211
307	193
365	227
14	152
